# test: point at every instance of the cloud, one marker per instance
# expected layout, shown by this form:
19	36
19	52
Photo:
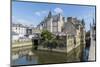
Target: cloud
39	13
22	21
58	10
44	12
14	19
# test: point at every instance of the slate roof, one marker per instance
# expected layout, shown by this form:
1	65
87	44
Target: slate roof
18	25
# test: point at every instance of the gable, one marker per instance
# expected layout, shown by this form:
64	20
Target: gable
69	28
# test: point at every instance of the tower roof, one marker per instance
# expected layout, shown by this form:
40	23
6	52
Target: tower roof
49	14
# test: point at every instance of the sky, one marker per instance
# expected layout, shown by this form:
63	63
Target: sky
31	13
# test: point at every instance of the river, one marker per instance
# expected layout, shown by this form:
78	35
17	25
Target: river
44	57
25	60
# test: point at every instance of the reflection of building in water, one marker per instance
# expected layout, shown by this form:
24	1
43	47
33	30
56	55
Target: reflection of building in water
24	60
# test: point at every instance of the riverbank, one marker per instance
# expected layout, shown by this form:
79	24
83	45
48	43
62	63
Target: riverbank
49	57
46	56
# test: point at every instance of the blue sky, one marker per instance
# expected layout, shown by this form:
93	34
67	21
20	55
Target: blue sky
33	13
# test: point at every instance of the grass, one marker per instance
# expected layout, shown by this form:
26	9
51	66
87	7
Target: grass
45	57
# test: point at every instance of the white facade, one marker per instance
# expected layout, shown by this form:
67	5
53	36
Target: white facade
52	23
19	29
15	37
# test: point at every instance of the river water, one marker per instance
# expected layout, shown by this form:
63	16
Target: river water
25	60
86	54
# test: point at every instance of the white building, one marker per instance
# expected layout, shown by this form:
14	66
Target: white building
52	23
15	36
19	29
21	32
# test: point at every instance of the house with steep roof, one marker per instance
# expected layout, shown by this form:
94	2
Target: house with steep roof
52	23
73	28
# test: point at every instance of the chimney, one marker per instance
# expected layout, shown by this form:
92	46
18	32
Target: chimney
69	19
63	19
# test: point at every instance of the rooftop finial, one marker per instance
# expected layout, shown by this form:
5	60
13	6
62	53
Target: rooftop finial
83	22
50	14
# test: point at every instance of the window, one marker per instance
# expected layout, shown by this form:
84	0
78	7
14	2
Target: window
54	29
54	24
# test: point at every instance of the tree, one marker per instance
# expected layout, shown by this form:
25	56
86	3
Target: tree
48	38
46	35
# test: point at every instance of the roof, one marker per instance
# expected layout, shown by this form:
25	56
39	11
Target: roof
69	28
54	17
19	25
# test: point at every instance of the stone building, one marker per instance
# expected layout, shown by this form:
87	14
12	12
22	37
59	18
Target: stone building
75	32
52	23
29	31
74	29
71	28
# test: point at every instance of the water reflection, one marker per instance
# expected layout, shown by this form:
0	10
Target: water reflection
27	57
86	54
24	60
